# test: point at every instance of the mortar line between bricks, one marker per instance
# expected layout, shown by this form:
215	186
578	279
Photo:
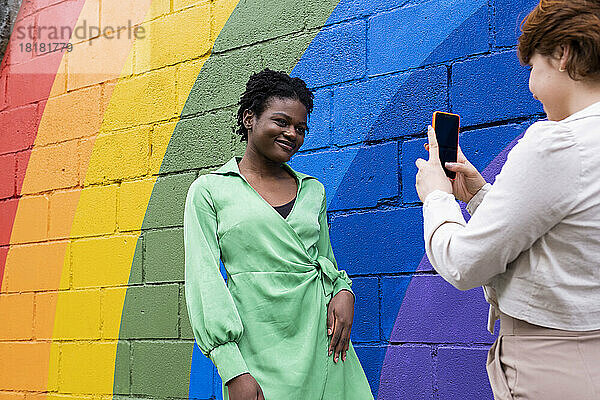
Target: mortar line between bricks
450	345
349	20
15	179
143	268
396	274
366	144
367	78
112	341
16	152
48	241
33	315
369	15
508	121
60	365
70	240
370	343
139	178
104	183
151	150
50	144
12	197
365	210
200	113
468	57
290	35
329	119
213	30
58	341
117	206
158	340
108	396
4	89
492	23
378	345
448	86
434	363
179	298
90	288
511	47
130	366
379	307
367	28
100	9
399	171
351	146
102	306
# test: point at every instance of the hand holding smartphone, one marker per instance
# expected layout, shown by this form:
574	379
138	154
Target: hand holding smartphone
446	126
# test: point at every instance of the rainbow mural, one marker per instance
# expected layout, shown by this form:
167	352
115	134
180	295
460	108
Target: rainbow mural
102	134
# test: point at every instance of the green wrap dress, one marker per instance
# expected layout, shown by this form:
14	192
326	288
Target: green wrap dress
270	317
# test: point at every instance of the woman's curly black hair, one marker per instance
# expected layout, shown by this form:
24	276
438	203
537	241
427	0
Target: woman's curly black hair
266	84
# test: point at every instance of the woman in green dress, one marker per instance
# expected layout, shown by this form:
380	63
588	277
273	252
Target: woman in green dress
280	327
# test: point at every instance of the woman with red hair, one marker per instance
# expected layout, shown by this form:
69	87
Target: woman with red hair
533	241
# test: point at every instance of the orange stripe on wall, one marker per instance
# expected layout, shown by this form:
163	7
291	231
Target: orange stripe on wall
143	109
52	185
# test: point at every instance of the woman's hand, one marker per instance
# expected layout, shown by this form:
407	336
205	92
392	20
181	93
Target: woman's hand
340	314
431	175
468	180
244	387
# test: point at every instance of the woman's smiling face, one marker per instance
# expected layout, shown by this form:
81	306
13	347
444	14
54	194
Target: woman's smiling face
278	133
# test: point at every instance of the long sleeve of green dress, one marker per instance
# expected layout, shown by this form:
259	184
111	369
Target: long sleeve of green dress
214	317
341	281
270	319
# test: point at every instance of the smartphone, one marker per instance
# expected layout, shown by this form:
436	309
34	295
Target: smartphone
446	126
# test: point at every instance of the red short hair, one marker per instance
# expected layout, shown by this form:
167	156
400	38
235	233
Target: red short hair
555	23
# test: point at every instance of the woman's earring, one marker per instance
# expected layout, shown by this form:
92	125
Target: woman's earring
561	69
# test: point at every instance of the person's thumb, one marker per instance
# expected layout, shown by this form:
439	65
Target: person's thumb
330	320
458	167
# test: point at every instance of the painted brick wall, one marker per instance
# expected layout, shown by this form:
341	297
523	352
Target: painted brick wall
99	145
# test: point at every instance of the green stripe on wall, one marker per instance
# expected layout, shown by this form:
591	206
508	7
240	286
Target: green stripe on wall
155	346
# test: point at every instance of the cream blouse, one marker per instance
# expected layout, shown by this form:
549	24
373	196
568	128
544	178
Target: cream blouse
534	239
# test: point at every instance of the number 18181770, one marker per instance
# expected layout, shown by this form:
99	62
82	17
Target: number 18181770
45	47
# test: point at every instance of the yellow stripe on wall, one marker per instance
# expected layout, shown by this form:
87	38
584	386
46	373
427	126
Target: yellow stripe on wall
125	158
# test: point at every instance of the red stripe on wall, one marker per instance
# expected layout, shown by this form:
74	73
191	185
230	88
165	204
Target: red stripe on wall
26	80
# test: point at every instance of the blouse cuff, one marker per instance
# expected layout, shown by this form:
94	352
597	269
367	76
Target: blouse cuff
342	283
229	361
438	208
478	198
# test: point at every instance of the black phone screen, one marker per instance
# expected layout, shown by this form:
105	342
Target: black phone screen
446	132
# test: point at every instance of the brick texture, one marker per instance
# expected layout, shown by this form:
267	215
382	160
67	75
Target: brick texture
95	164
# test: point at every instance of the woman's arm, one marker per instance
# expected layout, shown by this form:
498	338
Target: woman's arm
536	189
478	198
342	282
213	315
340	310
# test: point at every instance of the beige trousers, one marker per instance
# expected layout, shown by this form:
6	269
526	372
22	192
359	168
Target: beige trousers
530	362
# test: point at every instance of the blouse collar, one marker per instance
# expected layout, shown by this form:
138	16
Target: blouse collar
231	167
591	110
